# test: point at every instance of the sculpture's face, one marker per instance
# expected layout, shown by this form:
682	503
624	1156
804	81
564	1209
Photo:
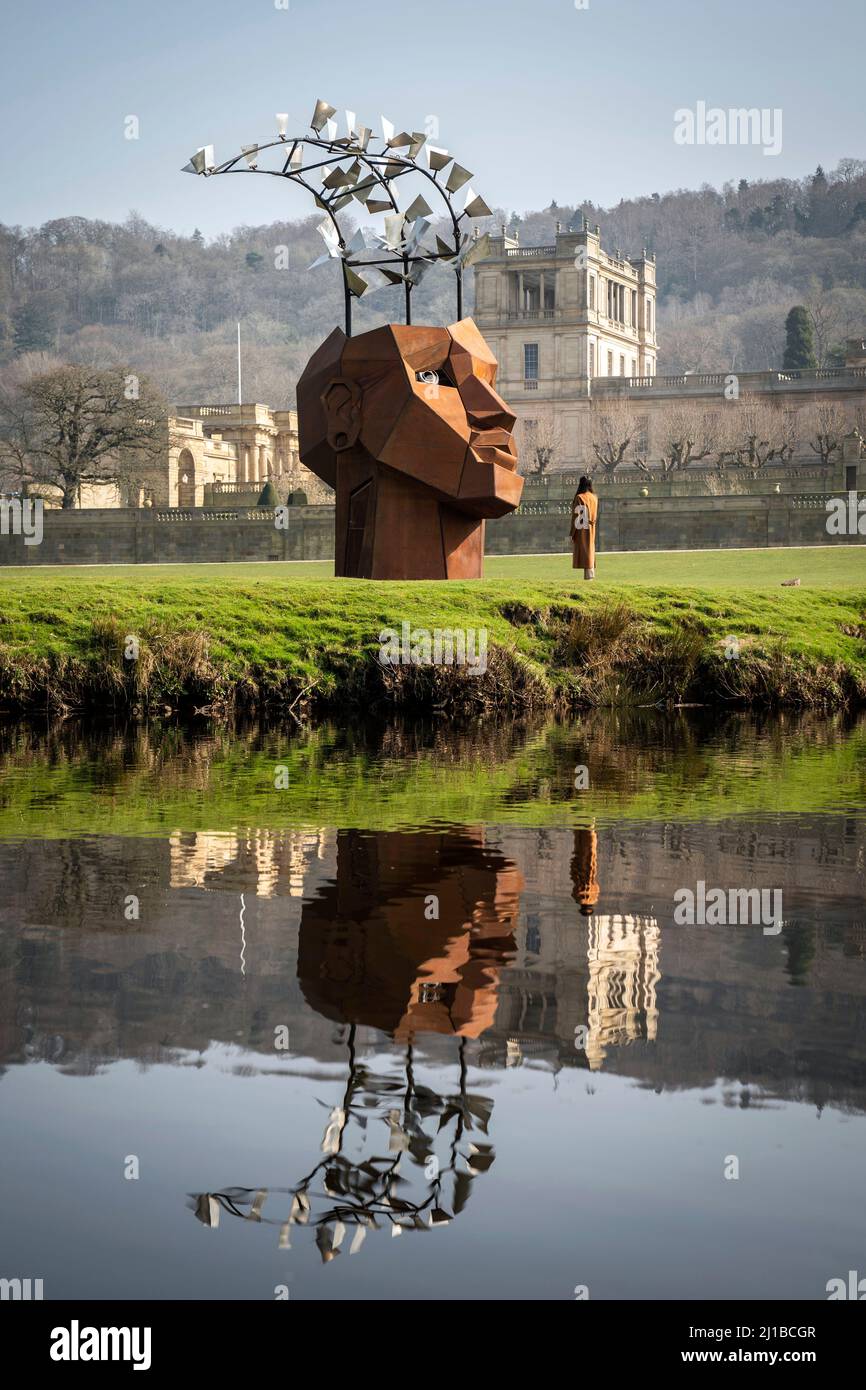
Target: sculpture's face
420	400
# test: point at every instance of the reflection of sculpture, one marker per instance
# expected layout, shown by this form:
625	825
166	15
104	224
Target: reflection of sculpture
405	424
411	938
368	953
433	1151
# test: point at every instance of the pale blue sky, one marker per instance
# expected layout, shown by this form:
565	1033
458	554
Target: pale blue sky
539	99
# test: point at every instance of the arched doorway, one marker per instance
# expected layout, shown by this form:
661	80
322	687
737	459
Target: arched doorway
186	479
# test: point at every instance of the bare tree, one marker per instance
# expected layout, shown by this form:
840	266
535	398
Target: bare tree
689	433
755	431
824	425
613	427
826	326
540	441
14	443
74	426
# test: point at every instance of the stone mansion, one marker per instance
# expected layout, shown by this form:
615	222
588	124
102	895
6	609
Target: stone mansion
573	326
222	456
218	456
559	316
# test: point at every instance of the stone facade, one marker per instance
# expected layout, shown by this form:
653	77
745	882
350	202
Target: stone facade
558	316
219	455
574	327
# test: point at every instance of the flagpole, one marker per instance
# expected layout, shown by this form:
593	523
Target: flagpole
240	396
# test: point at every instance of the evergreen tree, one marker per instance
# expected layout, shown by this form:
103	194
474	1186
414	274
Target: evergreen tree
33	327
268	496
799	342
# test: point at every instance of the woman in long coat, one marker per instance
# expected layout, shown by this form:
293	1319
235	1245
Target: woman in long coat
584	514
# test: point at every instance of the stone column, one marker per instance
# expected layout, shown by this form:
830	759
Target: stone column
520	291
851	459
541	291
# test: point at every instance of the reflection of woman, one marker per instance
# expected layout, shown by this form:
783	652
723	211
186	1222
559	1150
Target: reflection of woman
584	512
584	869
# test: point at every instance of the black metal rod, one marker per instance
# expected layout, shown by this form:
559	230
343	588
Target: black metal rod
459	273
347	297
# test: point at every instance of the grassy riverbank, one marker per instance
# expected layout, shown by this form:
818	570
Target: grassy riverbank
657	628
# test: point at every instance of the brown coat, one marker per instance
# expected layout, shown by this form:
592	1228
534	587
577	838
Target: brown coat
584	866
583	538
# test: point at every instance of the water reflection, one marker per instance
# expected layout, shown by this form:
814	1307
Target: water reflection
433	1152
470	939
413	933
411	937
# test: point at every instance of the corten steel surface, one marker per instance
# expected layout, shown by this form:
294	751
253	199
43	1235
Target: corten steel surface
405	424
369	954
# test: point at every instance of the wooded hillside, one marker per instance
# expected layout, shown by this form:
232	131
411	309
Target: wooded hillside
730	266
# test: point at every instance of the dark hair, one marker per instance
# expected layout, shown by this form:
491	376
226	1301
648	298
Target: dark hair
585	485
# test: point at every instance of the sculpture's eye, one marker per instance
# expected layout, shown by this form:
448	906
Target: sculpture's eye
440	377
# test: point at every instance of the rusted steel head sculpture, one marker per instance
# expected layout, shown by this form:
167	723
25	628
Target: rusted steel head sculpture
402	421
405	424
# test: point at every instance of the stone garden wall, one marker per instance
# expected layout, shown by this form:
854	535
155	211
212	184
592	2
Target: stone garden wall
154	536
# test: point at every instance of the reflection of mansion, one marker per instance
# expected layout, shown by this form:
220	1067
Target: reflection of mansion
276	860
623	964
467	982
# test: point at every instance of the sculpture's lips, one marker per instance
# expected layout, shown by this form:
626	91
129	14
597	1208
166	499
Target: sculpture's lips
490	439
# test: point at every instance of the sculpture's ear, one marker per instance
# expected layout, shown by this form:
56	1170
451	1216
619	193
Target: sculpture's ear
341	402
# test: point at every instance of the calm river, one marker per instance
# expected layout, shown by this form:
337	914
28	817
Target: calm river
405	1013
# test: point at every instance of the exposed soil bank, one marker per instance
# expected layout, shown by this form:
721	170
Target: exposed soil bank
314	648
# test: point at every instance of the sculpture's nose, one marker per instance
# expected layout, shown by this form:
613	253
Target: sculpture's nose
485	409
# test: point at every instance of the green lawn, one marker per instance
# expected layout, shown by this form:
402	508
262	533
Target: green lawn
62	629
826	567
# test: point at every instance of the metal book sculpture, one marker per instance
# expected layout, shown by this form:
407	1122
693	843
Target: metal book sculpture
404	421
